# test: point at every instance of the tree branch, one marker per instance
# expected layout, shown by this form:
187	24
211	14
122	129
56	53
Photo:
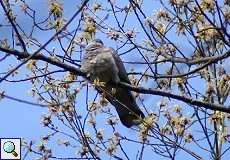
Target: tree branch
43	46
23	55
67	67
14	26
212	106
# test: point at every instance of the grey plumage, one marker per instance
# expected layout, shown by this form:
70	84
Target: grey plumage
104	63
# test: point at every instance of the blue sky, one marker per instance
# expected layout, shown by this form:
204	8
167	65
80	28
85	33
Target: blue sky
23	120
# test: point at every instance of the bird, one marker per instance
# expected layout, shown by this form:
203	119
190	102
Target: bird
103	63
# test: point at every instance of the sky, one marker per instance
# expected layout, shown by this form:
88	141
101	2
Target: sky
20	120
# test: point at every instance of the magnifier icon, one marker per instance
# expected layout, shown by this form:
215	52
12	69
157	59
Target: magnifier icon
9	147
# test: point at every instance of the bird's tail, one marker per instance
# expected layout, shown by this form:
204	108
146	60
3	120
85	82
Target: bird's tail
126	107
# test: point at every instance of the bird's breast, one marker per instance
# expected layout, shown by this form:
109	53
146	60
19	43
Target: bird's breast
104	68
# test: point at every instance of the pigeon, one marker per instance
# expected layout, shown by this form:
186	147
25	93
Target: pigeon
103	63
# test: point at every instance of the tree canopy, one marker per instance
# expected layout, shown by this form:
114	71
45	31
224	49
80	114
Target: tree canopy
176	54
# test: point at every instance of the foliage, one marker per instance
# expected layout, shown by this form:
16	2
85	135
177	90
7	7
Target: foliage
177	58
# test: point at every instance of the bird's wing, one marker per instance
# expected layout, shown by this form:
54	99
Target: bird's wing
122	72
122	99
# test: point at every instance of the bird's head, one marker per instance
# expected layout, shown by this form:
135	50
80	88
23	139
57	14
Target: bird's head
99	41
94	44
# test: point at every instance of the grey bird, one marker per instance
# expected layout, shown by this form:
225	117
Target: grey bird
103	63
